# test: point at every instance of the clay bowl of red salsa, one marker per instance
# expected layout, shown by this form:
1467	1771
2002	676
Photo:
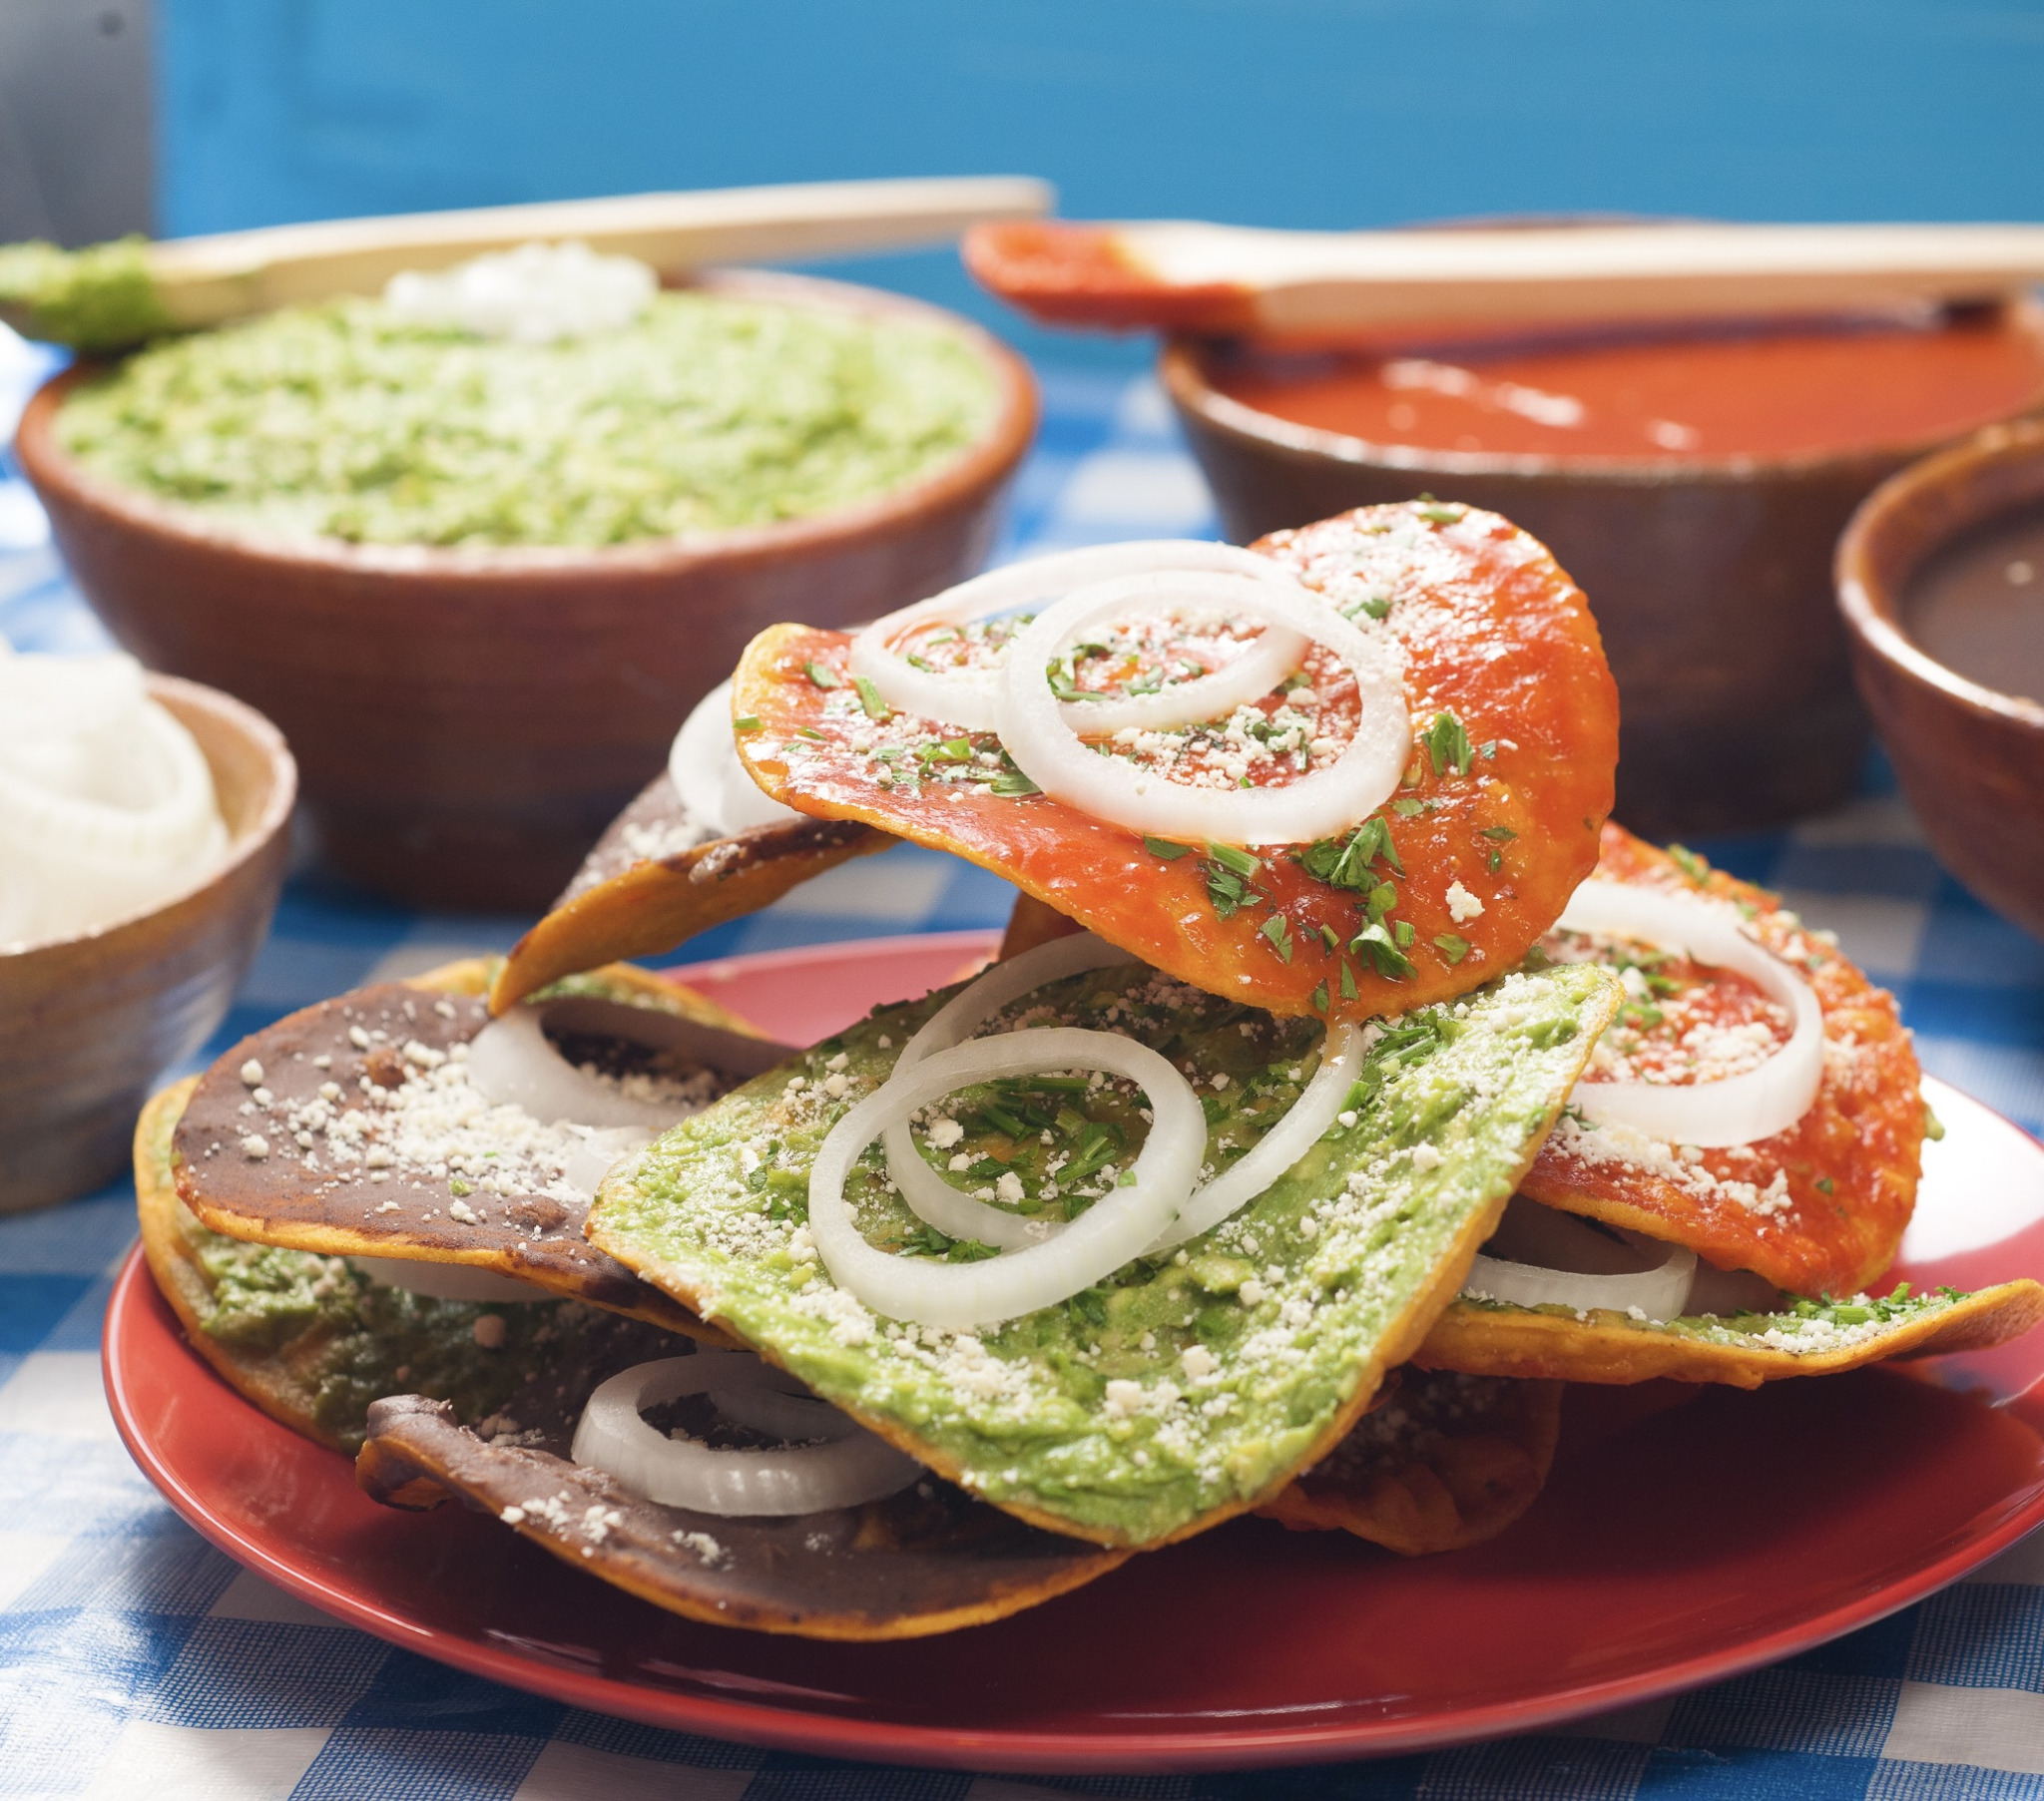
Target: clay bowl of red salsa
1941	588
468	721
1694	483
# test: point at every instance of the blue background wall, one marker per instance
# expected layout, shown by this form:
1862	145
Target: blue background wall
1278	112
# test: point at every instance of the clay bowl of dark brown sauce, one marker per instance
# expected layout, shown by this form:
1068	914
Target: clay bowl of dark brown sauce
1692	482
1941	590
467	720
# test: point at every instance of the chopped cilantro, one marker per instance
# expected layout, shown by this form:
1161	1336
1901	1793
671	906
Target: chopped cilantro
1228	892
1088	1306
1403	931
1385	957
1010	783
1447	744
1162	847
1320	996
1278	929
1244	865
1348	983
1406	810
1825	1185
927	1241
822	675
1330	938
1503	833
1452	946
1495	860
1349	865
1688	862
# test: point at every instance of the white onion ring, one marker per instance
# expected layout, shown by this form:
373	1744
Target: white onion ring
590	1161
1739	1110
798	1478
1328	799
929	1196
448	1281
1660	1292
512	1061
963	1015
1099	1241
783	1413
971	699
716	791
107	804
934	1200
1280	1147
1251	674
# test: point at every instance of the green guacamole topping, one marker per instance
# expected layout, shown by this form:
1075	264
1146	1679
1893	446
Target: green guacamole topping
101	298
1182	1386
708	412
340	1342
1802	1328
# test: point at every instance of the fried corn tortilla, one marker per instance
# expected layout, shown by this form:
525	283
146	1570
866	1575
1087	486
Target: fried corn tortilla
1816	1209
1183	1390
310	1341
1449	1462
643	907
1807	1338
315	1153
1515	723
926	1559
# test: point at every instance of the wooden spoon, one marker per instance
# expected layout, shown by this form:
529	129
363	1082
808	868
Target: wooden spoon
207	280
1332	288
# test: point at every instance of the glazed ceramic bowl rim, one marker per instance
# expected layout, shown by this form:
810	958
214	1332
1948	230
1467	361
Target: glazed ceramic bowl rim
1871	604
259	736
1180	369
1001	444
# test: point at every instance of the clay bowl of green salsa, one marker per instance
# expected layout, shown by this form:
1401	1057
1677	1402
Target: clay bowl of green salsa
479	584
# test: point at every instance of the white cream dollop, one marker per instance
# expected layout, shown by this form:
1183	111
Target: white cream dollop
106	805
534	294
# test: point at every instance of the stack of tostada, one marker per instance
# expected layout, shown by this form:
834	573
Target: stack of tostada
1346	1086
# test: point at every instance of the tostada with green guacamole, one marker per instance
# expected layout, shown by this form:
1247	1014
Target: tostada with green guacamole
1346	1086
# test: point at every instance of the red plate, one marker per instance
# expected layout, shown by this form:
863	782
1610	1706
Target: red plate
1740	1529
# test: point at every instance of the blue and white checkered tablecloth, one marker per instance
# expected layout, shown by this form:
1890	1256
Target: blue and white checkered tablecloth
135	1661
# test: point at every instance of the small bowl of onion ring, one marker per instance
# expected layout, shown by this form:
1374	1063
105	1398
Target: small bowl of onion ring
90	1018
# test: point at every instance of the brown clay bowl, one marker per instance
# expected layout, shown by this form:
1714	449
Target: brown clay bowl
1971	761
468	722
1710	579
87	1024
